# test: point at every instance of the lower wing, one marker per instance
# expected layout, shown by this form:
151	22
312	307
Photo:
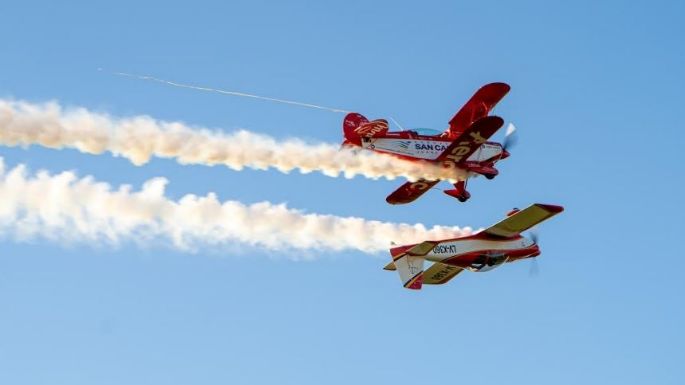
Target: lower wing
410	191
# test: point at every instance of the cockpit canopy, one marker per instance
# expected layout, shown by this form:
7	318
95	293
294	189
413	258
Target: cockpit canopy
487	262
426	131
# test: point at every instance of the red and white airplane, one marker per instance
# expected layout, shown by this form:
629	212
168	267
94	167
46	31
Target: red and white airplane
479	252
463	145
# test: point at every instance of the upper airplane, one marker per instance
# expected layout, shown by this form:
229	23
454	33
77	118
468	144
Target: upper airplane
463	145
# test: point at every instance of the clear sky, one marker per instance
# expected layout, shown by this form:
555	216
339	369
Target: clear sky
596	95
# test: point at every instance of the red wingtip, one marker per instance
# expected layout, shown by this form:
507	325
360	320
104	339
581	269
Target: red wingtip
497	87
551	208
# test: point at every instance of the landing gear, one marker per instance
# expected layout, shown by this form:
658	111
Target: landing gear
464	196
490	172
459	192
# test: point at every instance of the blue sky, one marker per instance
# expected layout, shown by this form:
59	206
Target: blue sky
596	91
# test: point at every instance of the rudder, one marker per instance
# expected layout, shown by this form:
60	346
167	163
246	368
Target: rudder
410	269
356	126
351	122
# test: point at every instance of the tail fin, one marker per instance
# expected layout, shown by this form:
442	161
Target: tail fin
410	269
351	122
356	126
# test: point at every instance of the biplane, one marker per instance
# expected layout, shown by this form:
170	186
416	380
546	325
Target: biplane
464	144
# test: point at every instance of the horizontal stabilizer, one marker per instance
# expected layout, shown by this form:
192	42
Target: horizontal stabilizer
390	266
356	126
422	248
440	273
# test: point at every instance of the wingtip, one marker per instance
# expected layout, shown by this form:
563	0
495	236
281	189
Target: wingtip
551	208
490	120
501	86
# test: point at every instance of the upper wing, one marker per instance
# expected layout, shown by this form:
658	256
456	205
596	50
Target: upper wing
440	273
409	191
477	107
390	266
523	220
470	140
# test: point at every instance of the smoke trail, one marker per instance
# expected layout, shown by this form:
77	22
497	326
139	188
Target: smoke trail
65	208
141	137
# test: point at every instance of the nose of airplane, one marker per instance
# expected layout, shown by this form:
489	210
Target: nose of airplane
505	154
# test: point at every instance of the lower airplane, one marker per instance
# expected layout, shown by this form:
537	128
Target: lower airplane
480	252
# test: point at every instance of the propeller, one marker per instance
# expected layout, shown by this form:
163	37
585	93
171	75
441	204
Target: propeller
509	137
534	237
534	270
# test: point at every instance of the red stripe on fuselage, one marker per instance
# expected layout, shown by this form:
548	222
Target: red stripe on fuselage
465	260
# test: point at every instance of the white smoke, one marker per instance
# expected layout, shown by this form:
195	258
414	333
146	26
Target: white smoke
65	208
141	137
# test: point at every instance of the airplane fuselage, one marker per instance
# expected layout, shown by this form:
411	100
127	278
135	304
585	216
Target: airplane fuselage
477	252
413	147
427	149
